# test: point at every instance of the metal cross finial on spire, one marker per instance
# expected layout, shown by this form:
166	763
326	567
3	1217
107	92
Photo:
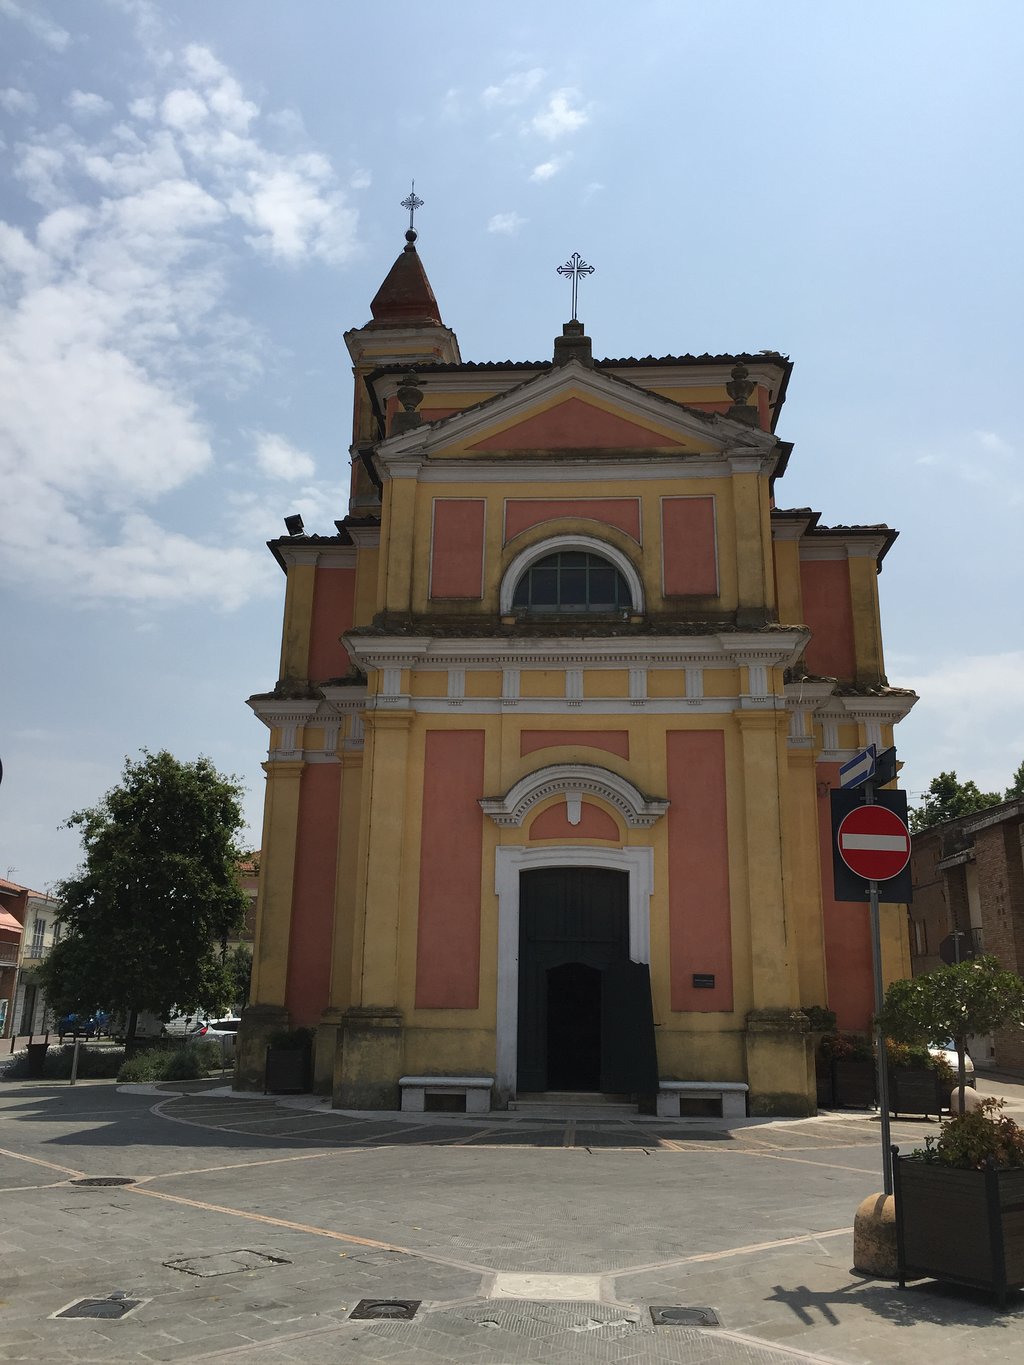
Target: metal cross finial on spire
576	268
412	202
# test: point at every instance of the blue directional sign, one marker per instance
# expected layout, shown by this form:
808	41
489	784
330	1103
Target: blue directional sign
859	769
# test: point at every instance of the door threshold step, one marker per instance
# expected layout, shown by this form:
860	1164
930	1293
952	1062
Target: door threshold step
607	1112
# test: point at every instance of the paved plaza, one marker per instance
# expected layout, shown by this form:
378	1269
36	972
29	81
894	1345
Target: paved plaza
254	1227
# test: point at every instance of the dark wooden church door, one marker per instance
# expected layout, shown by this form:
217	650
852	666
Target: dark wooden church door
585	1021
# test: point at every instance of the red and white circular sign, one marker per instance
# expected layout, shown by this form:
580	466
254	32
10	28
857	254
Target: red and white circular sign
874	843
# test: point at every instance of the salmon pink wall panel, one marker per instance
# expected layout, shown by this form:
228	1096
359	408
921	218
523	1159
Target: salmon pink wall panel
847	928
308	983
700	921
448	939
575	425
614	741
688	552
594	823
522	513
828	610
333	598
457	548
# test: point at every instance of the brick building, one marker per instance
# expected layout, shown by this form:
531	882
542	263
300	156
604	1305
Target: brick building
969	888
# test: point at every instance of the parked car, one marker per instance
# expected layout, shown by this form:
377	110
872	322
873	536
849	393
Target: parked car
181	1025
220	1031
77	1025
947	1051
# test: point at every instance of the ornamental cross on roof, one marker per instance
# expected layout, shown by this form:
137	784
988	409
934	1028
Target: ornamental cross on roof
412	202
575	268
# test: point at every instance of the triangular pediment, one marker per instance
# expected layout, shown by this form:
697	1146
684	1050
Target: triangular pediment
569	410
575	422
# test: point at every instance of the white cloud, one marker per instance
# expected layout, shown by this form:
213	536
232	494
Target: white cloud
279	459
547	169
14	101
506	223
993	442
87	104
360	180
113	319
560	116
970	719
514	89
47	32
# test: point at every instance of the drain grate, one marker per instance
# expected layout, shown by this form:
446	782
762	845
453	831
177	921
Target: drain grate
224	1263
114	1306
675	1316
97	1182
403	1310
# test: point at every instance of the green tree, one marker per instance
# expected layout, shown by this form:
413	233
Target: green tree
144	920
239	969
947	797
1016	788
953	1002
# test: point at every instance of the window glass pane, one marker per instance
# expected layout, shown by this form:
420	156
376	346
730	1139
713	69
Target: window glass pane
573	559
602	588
572	590
543	587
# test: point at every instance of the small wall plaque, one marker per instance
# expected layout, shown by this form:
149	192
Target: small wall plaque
703	981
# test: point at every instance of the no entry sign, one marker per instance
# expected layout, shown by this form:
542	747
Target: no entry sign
874	843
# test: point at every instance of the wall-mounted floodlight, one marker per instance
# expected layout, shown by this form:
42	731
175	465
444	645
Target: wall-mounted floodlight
293	525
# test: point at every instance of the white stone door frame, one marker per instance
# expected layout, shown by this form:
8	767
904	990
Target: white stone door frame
509	862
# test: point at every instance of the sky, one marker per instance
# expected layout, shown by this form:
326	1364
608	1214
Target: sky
197	200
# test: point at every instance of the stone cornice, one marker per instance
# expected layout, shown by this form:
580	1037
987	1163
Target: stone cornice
739	649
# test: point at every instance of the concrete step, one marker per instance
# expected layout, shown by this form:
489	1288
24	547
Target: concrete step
570	1104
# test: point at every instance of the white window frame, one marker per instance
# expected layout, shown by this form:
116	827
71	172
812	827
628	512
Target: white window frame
588	544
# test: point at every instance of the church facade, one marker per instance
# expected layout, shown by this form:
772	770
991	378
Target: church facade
560	705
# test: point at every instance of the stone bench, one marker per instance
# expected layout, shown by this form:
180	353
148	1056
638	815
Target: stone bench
732	1096
475	1089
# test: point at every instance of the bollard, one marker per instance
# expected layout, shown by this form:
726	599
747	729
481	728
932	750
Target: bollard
74	1062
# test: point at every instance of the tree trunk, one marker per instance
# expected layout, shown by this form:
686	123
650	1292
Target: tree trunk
961	1072
129	1034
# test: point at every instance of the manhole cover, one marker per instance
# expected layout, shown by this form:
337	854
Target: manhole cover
674	1316
103	1181
112	1307
403	1309
224	1263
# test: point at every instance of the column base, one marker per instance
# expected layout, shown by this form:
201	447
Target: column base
371	1059
780	1064
327	1051
259	1022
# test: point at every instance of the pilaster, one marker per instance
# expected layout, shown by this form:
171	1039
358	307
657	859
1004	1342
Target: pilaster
773	959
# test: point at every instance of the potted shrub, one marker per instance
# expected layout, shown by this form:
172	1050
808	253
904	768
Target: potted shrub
959	1201
918	1082
953	1002
850	1061
960	1204
289	1065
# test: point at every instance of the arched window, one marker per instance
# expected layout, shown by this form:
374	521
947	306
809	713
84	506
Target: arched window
572	582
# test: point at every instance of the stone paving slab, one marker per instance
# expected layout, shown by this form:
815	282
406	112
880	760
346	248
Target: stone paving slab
752	1221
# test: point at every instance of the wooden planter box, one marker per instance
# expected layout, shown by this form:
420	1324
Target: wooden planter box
966	1227
853	1084
288	1071
915	1091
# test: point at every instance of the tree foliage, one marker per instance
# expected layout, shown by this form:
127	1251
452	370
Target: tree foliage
144	919
953	1002
239	969
1016	788
947	797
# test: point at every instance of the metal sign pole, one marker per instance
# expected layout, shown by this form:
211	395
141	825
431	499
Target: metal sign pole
74	1062
882	1061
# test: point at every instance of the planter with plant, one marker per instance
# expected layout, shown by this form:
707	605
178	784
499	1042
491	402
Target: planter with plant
289	1065
918	1082
959	1201
849	1062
